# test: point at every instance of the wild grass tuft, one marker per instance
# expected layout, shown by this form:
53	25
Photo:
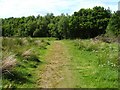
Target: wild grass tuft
8	63
21	56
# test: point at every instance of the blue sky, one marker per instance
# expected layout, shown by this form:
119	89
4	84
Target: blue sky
19	8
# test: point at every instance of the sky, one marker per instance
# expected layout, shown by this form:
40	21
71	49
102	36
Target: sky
19	8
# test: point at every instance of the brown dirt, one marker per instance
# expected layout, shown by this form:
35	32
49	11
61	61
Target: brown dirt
56	73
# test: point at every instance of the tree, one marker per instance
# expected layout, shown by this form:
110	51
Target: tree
86	23
113	28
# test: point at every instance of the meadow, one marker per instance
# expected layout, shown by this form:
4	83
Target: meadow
61	51
92	63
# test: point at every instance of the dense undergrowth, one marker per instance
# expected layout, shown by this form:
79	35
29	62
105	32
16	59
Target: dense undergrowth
20	58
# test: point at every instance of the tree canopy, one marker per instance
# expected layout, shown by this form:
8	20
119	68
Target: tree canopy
86	23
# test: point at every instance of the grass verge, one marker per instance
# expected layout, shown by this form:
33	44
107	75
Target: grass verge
28	53
94	63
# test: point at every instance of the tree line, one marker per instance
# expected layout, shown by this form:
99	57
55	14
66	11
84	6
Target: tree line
86	23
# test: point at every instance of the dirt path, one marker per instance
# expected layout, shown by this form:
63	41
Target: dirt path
57	73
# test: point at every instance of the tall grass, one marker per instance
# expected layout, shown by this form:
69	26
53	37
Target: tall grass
107	53
20	58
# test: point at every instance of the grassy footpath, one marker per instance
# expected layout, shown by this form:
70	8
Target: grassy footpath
94	64
56	72
71	63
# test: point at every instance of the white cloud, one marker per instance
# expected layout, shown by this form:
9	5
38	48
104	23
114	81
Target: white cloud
18	8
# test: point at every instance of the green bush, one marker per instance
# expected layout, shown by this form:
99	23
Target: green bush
113	28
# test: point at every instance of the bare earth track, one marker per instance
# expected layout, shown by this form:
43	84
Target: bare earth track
56	73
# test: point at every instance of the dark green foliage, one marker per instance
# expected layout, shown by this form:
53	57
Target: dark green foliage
85	23
114	25
91	22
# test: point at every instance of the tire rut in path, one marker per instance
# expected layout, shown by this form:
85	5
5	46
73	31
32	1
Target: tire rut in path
57	73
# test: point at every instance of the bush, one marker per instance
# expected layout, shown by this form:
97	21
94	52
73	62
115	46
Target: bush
113	28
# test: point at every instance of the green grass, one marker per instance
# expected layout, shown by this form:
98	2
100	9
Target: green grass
94	64
29	53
